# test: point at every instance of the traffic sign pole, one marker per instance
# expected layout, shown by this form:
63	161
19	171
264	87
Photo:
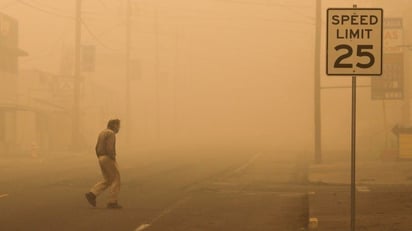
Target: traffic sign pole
354	48
353	157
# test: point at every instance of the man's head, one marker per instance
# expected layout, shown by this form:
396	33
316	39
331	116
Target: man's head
114	125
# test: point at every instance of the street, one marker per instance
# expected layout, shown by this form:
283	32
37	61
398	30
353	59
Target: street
193	190
383	195
379	207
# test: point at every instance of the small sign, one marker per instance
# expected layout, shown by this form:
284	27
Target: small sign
354	41
390	85
88	58
392	35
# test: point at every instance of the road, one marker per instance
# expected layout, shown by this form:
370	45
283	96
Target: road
191	190
383	194
379	207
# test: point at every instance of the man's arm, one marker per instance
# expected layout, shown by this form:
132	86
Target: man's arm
110	145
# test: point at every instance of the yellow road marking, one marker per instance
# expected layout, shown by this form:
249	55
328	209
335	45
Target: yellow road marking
162	214
4	195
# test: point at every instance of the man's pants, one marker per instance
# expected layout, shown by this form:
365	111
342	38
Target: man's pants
111	178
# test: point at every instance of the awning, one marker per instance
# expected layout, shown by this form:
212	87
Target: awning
38	107
14	51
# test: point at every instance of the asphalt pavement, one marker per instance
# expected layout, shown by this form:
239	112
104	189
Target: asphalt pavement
383	195
190	190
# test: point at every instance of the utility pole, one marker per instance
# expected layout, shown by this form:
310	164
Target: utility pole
157	75
175	77
76	88
128	46
317	98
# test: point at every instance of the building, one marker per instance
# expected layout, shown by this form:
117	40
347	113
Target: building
9	54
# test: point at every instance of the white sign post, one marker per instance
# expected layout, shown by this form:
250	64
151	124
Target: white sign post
354	41
354	47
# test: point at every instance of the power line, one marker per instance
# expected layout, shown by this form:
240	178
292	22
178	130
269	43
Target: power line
67	16
49	10
51	49
7	5
209	12
48	7
213	16
110	29
91	33
291	8
260	3
45	11
103	4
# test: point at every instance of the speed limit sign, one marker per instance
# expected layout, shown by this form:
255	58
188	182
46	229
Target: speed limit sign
354	41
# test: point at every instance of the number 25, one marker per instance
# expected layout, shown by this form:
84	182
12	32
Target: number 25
360	53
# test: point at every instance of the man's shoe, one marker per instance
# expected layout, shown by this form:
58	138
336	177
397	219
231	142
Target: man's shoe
114	205
91	198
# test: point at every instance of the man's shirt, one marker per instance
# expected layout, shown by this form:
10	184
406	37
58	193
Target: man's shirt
106	144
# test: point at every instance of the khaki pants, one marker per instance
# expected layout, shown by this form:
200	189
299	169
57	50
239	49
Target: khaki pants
111	178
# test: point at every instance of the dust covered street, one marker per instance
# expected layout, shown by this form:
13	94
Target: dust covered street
200	190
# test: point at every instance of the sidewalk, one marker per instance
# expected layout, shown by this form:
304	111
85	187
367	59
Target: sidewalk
20	167
367	172
383	195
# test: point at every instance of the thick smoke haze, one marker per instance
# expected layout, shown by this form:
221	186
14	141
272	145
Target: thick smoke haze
230	118
204	73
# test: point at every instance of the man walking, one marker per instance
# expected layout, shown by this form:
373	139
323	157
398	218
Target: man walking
106	154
